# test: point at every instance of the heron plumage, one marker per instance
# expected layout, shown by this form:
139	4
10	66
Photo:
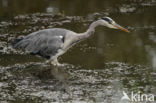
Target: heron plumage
45	43
51	43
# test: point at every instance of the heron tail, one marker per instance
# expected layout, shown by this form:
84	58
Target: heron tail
16	41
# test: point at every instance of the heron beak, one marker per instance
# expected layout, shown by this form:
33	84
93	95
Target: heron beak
120	27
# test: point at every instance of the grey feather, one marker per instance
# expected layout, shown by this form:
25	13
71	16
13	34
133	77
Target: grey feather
45	43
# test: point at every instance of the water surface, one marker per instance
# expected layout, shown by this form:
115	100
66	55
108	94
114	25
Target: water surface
98	69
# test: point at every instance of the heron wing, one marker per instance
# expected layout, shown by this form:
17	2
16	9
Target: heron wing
45	44
46	47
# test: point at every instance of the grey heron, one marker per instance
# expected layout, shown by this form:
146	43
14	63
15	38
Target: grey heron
51	43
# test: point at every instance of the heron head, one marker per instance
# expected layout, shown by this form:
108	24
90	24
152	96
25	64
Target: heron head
108	22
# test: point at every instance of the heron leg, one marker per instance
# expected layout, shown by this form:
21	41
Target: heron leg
55	62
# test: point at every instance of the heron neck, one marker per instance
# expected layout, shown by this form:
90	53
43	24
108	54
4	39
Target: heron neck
91	29
93	26
89	32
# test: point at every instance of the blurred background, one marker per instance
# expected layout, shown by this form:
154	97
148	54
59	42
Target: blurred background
126	60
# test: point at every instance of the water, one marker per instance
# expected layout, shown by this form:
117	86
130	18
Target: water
96	70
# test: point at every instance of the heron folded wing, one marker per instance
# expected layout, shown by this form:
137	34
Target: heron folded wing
45	43
45	46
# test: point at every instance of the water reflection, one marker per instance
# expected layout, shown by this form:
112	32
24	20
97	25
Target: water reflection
62	76
151	55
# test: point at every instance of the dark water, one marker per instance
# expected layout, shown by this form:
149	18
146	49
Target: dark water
96	70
